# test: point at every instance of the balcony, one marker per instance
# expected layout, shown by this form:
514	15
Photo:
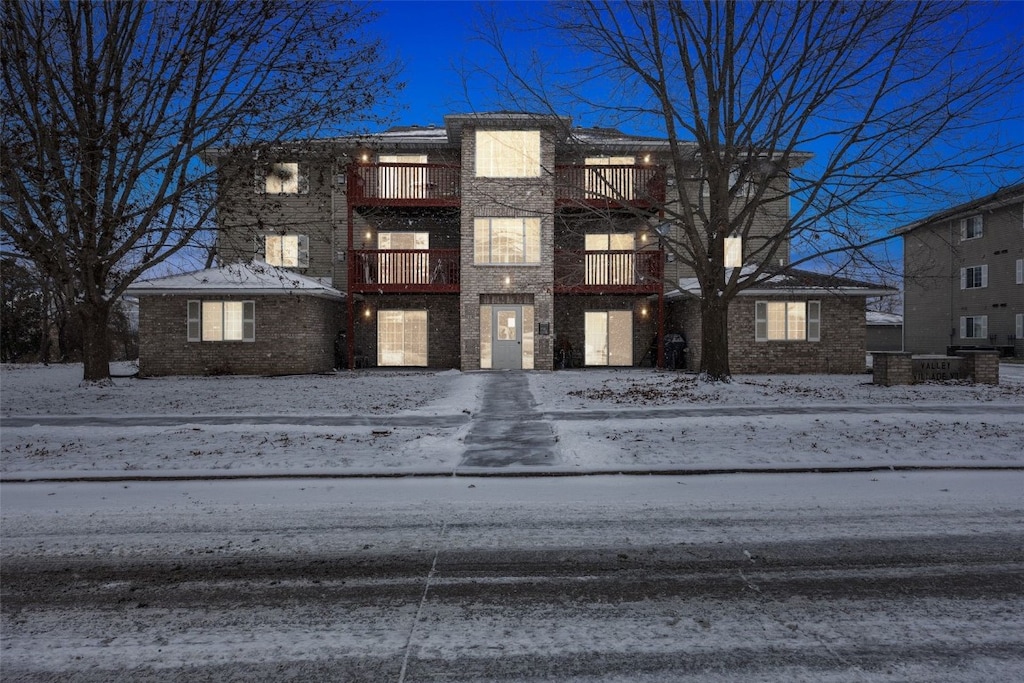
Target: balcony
431	271
608	272
403	185
638	186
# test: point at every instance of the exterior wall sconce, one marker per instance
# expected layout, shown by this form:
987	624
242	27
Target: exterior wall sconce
508	280
365	158
369	235
643	311
367	313
647	158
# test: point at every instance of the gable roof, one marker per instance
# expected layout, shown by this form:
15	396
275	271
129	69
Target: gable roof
252	279
1011	194
796	282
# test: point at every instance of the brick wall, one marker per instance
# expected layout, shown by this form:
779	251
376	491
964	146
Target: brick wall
443	328
569	321
841	349
294	335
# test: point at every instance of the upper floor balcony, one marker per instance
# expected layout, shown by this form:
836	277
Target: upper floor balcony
609	272
639	186
398	184
404	270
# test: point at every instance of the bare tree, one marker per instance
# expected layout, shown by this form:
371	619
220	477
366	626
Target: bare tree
891	98
109	106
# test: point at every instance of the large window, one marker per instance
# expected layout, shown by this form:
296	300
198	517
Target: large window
506	240
974	277
403	181
281	178
404	267
610	183
733	252
610	269
402	338
287	251
974	327
221	321
787	321
608	338
508	153
971	228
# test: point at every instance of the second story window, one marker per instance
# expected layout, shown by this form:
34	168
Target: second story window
971	228
506	240
281	178
974	277
508	153
287	251
733	252
402	176
614	182
603	267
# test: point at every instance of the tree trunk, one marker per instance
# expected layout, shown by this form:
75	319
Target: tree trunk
95	342
714	359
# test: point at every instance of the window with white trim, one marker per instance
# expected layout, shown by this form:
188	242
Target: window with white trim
403	267
508	153
1019	326
506	240
608	338
281	178
787	321
974	277
286	251
218	321
401	338
1020	271
974	327
733	252
971	227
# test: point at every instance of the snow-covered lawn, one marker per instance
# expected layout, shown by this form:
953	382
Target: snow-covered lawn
415	421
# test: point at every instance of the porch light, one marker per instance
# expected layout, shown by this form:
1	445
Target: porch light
647	158
643	311
366	157
508	280
369	235
367	312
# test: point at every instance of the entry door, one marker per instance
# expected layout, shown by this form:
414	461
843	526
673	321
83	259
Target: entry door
507	329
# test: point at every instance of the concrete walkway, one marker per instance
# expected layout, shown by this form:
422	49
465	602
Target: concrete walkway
507	430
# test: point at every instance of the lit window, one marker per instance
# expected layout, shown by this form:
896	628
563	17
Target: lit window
787	321
971	228
603	268
733	252
405	179
406	266
506	240
974	327
608	338
616	182
287	251
974	277
221	321
281	178
402	338
508	153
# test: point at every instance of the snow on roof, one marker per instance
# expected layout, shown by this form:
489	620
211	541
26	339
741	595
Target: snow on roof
254	278
791	282
1001	197
879	318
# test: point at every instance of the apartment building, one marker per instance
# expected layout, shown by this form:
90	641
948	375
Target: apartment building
498	241
964	276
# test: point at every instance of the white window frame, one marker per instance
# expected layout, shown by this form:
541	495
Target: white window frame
1020	271
792	312
286	251
601	185
972	227
508	154
403	268
237	321
974	277
487	251
613	350
270	180
1019	326
604	268
397	182
977	322
387	357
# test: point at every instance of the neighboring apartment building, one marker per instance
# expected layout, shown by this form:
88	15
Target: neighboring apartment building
499	241
964	276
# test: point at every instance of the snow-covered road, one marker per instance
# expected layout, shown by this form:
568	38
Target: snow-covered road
851	577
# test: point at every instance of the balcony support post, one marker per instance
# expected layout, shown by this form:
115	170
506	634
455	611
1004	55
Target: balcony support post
350	338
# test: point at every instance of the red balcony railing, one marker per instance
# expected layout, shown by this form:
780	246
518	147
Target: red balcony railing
599	272
641	186
404	270
403	185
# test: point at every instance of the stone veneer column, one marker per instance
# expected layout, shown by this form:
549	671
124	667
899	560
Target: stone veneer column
890	368
981	366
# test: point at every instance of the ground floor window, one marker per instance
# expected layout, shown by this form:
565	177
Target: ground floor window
787	321
402	338
608	338
221	321
974	327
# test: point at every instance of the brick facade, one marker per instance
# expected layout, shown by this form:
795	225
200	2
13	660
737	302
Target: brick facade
294	335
